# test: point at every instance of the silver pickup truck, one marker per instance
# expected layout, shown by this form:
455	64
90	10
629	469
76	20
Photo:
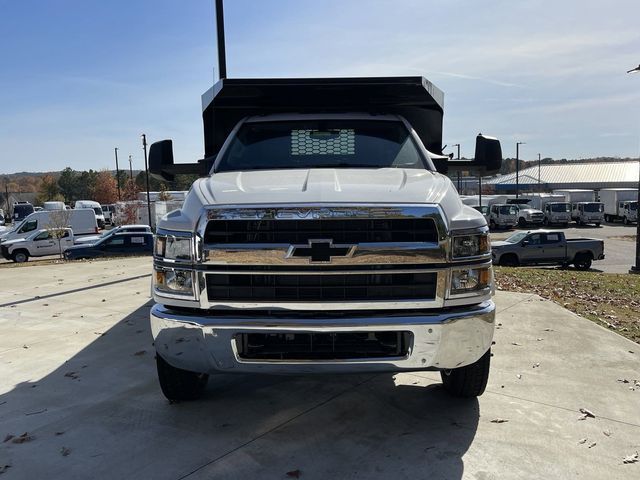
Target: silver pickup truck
544	247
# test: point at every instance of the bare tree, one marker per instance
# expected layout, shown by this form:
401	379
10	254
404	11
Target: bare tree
59	221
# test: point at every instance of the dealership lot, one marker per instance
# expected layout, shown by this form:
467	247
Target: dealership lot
77	375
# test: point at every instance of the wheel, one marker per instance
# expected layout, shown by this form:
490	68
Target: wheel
626	221
492	225
20	256
597	224
178	384
583	261
565	225
469	381
522	222
607	218
509	260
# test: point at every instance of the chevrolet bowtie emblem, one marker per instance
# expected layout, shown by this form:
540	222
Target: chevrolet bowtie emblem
320	251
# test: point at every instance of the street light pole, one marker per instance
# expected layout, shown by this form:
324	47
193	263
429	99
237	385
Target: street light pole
636	268
117	172
146	169
518	167
539	184
458	145
130	169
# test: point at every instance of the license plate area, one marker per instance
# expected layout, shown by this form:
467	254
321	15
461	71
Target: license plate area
323	346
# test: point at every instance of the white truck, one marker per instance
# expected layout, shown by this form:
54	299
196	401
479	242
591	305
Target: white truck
620	204
503	215
556	210
324	237
39	243
574	195
95	206
82	222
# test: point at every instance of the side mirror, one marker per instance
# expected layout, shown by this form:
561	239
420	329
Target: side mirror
161	160
161	164
487	159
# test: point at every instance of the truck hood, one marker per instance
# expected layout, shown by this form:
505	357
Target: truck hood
500	243
326	186
14	241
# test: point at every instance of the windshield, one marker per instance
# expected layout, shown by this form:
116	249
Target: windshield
633	206
560	207
594	207
321	144
516	237
508	210
98	210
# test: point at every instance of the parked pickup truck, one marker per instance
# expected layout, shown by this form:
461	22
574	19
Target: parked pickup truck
38	244
543	247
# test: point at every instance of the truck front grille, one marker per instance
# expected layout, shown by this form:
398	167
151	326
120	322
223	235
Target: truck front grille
249	287
323	346
352	231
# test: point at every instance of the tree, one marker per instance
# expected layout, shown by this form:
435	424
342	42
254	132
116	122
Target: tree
48	190
69	183
163	195
105	188
59	221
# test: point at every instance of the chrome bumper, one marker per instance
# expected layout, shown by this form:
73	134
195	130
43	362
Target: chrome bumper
206	343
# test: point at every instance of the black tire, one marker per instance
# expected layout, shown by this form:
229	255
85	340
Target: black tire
469	381
522	222
626	221
178	384
607	219
583	261
509	260
20	256
597	224
565	225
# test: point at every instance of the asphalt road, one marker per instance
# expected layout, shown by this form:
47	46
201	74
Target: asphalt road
619	244
79	394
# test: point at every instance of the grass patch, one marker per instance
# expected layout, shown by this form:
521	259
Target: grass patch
611	300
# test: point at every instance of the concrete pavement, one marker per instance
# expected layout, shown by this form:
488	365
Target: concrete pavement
77	375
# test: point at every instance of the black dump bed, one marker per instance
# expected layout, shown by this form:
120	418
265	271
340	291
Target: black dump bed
230	100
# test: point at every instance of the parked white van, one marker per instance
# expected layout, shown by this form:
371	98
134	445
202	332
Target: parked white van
95	206
53	206
81	221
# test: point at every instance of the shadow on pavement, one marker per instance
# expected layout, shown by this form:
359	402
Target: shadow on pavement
100	414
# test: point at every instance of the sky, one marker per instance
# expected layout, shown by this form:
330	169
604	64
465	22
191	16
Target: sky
81	77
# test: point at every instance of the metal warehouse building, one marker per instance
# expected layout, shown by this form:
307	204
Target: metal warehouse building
592	176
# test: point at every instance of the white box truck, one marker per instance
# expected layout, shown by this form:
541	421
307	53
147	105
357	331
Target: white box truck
96	207
584	207
620	204
556	209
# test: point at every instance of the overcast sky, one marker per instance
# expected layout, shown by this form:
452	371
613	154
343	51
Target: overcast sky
80	77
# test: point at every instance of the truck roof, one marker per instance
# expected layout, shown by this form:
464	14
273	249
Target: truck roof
231	99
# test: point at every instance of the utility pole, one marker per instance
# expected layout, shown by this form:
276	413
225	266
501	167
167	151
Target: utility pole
117	173
636	268
130	169
518	167
6	191
539	184
222	56
146	169
458	145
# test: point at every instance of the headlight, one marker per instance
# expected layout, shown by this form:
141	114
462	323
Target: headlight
470	280
470	245
172	247
174	281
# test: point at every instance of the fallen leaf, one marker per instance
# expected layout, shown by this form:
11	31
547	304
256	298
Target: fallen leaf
499	420
519	376
73	375
588	413
64	451
294	474
536	365
25	437
7	438
582	441
59	433
516	344
631	458
139	353
607	433
591	445
4	468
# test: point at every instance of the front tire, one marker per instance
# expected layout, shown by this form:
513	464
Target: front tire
509	260
469	381
20	256
522	222
178	384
